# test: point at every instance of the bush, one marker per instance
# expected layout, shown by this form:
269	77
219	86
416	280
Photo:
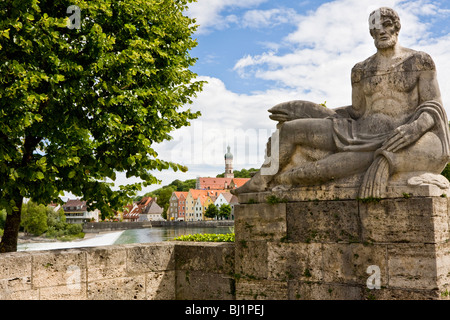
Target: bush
73	229
207	237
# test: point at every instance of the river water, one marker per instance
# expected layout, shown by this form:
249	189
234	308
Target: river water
122	237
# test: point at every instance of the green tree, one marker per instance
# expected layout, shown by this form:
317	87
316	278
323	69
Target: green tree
2	221
224	211
34	218
78	106
56	219
211	211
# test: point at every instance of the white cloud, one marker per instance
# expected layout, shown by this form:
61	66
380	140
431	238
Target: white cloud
269	18
209	13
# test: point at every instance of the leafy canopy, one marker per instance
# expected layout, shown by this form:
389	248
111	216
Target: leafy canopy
79	105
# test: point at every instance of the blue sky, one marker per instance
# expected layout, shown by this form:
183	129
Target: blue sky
258	53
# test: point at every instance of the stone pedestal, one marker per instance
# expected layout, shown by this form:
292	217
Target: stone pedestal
327	244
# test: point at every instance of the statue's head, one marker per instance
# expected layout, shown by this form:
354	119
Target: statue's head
384	26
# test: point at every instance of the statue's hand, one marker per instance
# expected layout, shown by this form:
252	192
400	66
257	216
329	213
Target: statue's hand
402	137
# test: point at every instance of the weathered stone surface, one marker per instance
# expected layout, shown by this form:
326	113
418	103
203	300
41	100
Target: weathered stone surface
198	285
417	220
15	275
260	221
58	268
254	289
251	259
348	263
126	288
403	294
206	257
323	221
161	285
106	262
299	261
301	290
419	266
143	258
74	291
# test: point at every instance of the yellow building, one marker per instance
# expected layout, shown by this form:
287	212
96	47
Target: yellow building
195	208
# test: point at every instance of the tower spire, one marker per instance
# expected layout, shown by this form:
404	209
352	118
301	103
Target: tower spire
228	164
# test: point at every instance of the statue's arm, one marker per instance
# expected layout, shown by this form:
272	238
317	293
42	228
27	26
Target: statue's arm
429	87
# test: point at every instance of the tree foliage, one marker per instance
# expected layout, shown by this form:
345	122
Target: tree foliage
244	173
224	211
211	211
77	106
34	218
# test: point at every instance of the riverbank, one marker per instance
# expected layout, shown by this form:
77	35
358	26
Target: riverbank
90	240
24	238
129	236
96	227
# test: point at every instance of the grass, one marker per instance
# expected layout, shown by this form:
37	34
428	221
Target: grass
207	237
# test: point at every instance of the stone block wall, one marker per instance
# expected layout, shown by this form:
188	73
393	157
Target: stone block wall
156	271
322	249
290	249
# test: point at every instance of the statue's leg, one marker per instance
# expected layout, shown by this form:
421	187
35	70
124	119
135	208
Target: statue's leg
315	133
334	166
311	133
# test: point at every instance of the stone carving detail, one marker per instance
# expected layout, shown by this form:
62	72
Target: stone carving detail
396	125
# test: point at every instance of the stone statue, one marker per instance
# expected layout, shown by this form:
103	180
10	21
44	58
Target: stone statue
396	127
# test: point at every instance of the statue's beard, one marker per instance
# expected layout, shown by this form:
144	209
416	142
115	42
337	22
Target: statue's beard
386	44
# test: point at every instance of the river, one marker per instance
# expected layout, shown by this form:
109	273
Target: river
145	235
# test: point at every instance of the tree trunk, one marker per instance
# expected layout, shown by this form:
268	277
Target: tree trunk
11	232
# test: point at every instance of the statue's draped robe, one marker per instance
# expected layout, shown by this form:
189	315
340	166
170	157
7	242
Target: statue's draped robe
437	147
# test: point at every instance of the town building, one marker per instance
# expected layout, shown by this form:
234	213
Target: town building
177	206
144	210
191	206
76	212
193	214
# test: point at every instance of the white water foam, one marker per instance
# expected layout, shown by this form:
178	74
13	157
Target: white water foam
98	240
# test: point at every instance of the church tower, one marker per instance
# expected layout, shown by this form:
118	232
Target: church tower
229	164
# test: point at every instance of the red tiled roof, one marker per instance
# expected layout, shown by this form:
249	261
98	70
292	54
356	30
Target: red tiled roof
77	203
239	182
178	194
220	183
214	183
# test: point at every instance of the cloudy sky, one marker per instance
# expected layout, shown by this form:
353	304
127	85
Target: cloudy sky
258	53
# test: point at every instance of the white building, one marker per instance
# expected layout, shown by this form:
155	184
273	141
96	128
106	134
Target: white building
227	198
76	212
